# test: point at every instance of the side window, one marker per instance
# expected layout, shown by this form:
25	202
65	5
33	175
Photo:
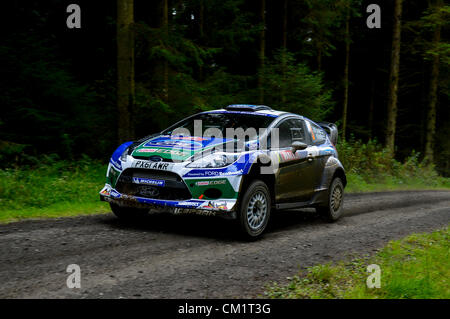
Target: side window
298	131
318	134
284	134
289	131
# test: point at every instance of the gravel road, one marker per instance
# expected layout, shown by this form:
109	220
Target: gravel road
166	256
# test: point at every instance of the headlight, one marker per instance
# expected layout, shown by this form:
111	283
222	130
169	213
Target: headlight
123	157
214	161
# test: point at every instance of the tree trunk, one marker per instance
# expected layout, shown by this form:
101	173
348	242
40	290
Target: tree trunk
262	50
393	78
165	26
284	47
371	108
201	33
284	43
346	80
431	116
125	69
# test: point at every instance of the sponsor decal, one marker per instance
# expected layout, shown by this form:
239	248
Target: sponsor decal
206	183
216	173
148	181
183	142
287	156
190	138
147	150
105	192
217	205
238	168
163	151
115	193
222	206
194	211
238	172
173	152
175	143
188	203
153	165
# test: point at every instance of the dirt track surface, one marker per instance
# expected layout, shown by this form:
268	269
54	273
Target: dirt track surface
167	256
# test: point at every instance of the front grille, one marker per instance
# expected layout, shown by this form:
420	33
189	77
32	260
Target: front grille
174	188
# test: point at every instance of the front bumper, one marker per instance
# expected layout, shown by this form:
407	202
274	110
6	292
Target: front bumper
223	207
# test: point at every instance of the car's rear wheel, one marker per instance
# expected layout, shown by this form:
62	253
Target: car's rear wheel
334	207
127	213
254	209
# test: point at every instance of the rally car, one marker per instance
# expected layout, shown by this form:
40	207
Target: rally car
241	162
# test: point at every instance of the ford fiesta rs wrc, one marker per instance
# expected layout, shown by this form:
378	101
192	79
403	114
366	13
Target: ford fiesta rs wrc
242	162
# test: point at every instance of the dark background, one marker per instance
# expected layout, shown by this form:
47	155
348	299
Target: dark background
58	85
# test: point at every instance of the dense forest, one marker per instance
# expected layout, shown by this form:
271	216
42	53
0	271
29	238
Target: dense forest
136	66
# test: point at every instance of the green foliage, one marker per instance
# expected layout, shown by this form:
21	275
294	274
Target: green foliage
319	21
434	16
322	26
224	88
11	152
370	167
53	187
369	158
415	267
292	87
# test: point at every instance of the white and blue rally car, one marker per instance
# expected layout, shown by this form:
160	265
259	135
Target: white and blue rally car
242	162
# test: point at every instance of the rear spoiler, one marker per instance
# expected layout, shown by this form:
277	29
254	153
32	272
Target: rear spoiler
331	130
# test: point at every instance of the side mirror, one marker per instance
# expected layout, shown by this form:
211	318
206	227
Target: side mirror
298	146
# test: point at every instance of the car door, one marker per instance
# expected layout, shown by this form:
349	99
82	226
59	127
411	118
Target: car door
295	179
316	156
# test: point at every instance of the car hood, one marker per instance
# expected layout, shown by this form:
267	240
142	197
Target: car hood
177	148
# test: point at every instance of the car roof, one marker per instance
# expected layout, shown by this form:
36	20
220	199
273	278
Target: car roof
249	109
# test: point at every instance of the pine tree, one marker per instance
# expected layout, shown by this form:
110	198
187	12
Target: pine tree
393	78
125	69
432	101
262	49
346	68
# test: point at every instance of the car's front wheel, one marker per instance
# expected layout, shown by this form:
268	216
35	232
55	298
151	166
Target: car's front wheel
334	207
127	213
254	210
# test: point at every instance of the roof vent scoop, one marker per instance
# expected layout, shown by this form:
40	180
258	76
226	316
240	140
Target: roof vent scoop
247	107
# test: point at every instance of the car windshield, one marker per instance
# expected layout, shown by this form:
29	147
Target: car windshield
214	123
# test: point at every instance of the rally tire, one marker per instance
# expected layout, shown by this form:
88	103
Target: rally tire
127	213
254	210
334	207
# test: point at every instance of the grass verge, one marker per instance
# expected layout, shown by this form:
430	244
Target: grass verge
361	184
414	267
52	189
